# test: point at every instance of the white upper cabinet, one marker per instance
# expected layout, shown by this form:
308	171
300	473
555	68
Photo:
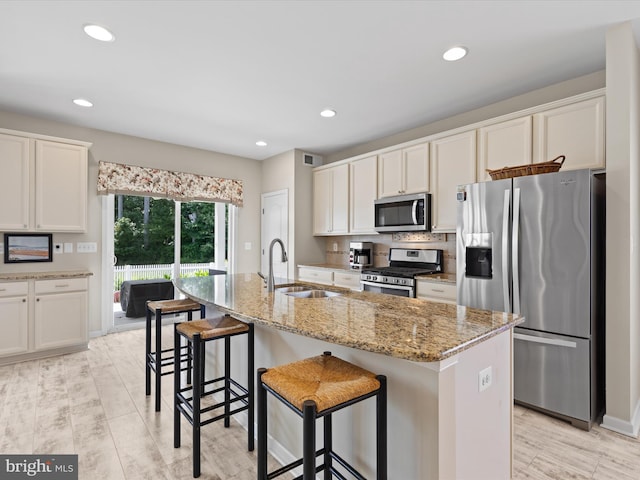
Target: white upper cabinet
504	144
61	187
363	176
45	182
453	163
14	182
575	131
331	200
404	171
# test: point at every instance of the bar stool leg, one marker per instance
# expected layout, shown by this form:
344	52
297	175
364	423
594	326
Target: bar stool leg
158	356
147	353
189	318
227	383
250	387
328	447
196	390
262	426
381	429
309	440
176	389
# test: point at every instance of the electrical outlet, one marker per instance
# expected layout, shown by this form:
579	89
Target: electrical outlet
335	246
485	377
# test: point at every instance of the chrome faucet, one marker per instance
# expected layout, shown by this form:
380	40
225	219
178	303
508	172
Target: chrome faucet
270	280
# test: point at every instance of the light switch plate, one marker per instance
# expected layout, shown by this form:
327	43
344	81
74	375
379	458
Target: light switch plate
68	247
87	247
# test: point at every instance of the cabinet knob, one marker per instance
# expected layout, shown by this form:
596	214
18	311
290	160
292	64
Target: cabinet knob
37	299
24	300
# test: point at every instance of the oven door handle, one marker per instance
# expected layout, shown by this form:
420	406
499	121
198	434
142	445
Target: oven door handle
387	285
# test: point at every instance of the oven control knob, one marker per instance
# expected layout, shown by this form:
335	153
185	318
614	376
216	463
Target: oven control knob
384	280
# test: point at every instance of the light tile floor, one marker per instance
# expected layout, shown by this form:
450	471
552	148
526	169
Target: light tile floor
93	403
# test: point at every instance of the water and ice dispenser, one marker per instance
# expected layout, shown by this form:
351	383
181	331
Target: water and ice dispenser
479	255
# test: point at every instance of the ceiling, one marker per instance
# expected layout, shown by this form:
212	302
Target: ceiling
221	75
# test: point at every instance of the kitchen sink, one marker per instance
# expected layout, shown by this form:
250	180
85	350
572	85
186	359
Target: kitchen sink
296	288
312	293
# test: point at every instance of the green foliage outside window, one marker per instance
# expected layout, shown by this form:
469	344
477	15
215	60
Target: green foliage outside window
144	231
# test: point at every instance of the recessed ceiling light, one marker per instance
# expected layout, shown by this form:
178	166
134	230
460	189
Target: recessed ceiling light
99	33
455	53
261	143
82	102
328	113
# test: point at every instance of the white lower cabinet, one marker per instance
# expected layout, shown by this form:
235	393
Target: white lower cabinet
14	318
60	318
347	280
326	276
40	315
436	291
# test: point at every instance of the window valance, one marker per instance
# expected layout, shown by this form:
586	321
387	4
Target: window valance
132	180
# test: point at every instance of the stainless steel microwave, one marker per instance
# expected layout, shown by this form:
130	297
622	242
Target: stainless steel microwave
403	213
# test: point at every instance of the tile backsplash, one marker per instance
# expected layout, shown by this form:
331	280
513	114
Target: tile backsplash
337	248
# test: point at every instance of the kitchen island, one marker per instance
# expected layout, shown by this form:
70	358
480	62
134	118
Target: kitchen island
448	368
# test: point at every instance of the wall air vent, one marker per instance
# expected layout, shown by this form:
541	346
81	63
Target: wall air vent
311	159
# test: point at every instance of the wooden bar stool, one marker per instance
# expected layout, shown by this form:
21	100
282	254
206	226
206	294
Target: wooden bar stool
313	388
160	359
188	399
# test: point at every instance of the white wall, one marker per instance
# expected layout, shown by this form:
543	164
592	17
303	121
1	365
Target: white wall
287	171
551	93
623	232
118	148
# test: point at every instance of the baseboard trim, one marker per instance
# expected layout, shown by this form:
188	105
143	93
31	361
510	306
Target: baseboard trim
628	428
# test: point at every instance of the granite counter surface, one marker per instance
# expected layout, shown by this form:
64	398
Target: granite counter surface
17	276
407	328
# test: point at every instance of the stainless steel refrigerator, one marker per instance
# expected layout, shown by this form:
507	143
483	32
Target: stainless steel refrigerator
534	245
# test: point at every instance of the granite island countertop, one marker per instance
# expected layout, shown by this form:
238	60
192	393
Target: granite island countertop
407	328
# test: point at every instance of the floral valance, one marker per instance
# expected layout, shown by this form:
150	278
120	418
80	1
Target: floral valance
185	187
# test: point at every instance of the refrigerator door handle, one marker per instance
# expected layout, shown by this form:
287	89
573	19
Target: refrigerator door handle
515	250
546	341
505	250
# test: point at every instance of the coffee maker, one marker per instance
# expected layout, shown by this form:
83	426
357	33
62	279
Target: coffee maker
360	255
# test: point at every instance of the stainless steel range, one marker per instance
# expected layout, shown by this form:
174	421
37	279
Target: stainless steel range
399	277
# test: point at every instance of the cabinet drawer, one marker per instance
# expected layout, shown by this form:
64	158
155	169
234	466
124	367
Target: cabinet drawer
318	276
61	285
13	289
348	280
436	290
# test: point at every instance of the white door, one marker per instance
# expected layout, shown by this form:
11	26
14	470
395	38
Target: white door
275	224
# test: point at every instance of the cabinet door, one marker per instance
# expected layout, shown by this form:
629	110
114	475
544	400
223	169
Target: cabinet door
363	183
61	187
315	275
436	292
60	320
13	325
504	144
390	174
14	183
416	168
453	163
340	195
322	201
347	280
575	131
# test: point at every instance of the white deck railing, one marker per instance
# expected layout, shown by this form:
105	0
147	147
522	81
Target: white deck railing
148	272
